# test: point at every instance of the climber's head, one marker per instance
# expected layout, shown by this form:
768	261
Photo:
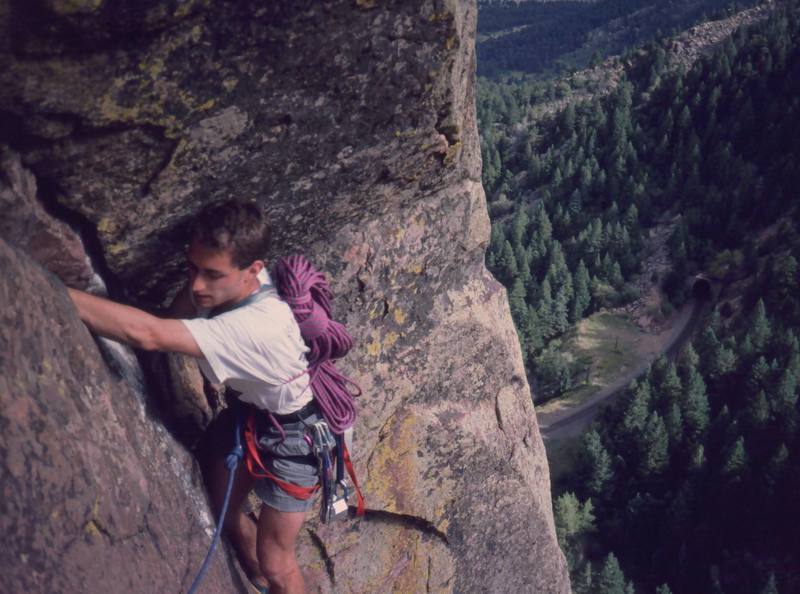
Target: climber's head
225	255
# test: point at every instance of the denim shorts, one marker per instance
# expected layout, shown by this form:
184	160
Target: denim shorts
291	458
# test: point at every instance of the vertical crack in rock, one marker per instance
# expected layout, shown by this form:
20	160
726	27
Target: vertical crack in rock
385	311
323	552
86	230
149	530
164	163
497	411
428	577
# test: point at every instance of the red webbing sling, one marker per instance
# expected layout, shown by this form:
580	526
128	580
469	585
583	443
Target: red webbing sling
352	472
257	469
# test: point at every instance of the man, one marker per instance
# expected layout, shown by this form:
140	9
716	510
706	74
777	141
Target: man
252	344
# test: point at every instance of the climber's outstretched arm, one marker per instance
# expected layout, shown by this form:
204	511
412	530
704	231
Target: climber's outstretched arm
133	326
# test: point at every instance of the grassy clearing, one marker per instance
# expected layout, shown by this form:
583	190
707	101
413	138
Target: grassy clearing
605	347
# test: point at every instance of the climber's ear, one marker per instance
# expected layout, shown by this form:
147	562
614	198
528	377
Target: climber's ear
256	267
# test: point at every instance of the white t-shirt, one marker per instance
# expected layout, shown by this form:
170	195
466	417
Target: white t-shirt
257	350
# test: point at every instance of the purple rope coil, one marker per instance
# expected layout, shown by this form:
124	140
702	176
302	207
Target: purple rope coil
308	294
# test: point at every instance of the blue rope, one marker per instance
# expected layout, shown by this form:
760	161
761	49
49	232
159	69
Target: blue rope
232	461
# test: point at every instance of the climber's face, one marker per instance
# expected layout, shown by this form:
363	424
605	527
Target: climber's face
215	280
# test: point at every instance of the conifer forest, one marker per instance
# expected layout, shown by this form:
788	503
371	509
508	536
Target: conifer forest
592	140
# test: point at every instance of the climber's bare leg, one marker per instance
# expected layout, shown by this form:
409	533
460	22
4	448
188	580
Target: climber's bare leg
240	528
277	540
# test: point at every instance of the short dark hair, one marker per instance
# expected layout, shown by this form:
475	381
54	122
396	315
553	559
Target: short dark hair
233	224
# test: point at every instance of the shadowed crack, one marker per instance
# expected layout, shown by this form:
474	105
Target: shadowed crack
159	169
407	521
323	551
497	412
48	191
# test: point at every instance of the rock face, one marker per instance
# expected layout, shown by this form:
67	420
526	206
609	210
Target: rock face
95	495
352	123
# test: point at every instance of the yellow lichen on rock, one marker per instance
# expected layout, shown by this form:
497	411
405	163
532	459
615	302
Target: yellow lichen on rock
91	528
415	268
374	348
390	339
153	68
393	471
452	153
440	16
66	7
106	226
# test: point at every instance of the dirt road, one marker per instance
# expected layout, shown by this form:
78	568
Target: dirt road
570	422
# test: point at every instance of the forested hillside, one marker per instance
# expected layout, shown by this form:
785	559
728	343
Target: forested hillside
536	37
688	485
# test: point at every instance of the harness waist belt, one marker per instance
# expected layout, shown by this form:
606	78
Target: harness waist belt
298	415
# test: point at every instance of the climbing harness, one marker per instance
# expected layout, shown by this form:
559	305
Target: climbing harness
331	453
232	462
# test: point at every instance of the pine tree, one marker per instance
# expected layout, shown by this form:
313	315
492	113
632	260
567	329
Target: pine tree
519	227
707	344
582	582
560	311
759	377
634	415
663	589
544	228
786	393
667	385
716	584
594	236
697	460
594	464
557	272
775	468
582	297
573	521
759	330
688	362
507	264
723	360
771	587
532	331
611	580
575	199
615	277
757	411
695	408
735	460
653	446
631	218
674	425
516	301
545	309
